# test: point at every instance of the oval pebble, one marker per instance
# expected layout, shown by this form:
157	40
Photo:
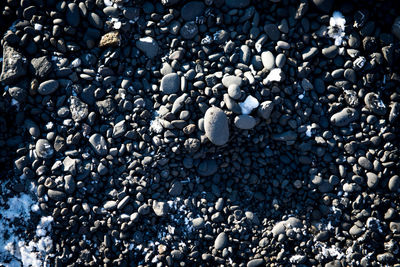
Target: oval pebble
216	126
48	87
344	117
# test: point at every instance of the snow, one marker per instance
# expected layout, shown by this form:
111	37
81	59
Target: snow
336	27
155	126
108	2
275	75
38	26
249	104
309	131
15	248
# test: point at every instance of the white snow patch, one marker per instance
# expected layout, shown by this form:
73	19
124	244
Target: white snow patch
296	258
309	131
336	27
329	252
249	104
275	75
155	126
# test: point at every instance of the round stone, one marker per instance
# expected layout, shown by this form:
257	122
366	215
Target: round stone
44	149
216	126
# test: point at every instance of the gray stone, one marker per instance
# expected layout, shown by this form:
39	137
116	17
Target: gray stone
221	241
48	87
285	136
148	46
330	51
216	126
119	129
268	60
160	208
170	84
191	10
79	110
394	183
365	163
256	263
14	65
110	205
44	149
99	144
245	54
231	104
106	107
198	223
56	195
280	60
374	103
41	66
69	185
309	53
179	103
207	167
95	20
245	122
282	226
69	165
344	117
230	79
234	91
175	189
189	30
372	179
265	109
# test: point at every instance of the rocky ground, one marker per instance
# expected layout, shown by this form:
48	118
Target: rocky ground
199	133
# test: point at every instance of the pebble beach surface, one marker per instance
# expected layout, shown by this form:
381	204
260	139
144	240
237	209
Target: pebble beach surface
199	133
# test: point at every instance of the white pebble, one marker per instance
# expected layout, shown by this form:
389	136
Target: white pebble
249	104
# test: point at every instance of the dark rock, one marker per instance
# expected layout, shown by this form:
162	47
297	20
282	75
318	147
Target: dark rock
344	117
170	84
14	65
245	122
207	167
148	46
48	87
191	10
98	144
41	67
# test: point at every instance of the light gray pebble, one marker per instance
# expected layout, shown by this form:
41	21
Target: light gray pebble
216	126
245	122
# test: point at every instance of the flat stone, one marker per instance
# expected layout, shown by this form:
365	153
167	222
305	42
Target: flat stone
216	126
230	79
148	46
99	144
245	122
48	87
170	83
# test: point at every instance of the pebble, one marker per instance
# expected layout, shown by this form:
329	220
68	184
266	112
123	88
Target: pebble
268	60
72	15
44	149
309	53
265	109
372	179
221	241
41	67
189	30
148	46
280	60
110	39
234	91
48	87
394	183
237	3
272	32
375	104
324	5
256	263
231	80
330	51
98	143
56	195
344	117
79	110
170	84
207	167
160	208
245	122
216	126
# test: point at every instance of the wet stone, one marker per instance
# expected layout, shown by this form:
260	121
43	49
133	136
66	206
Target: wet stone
98	144
44	149
48	87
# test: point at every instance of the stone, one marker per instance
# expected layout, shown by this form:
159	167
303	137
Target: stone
396	28
374	103
330	51
191	10
179	103
69	185
265	109
48	87
344	117
175	189
285	136
18	93
189	30
160	208
394	183
309	53
237	3
245	54
221	241
372	179
40	67
216	126
207	167
110	39
245	122
98	143
198	223
119	129
272	32
280	60
72	15
44	149
230	79
170	84
79	110
105	107
324	5
268	60
256	263
56	195
14	65
234	91
148	46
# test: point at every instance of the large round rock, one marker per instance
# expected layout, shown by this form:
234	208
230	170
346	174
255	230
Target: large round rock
216	126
